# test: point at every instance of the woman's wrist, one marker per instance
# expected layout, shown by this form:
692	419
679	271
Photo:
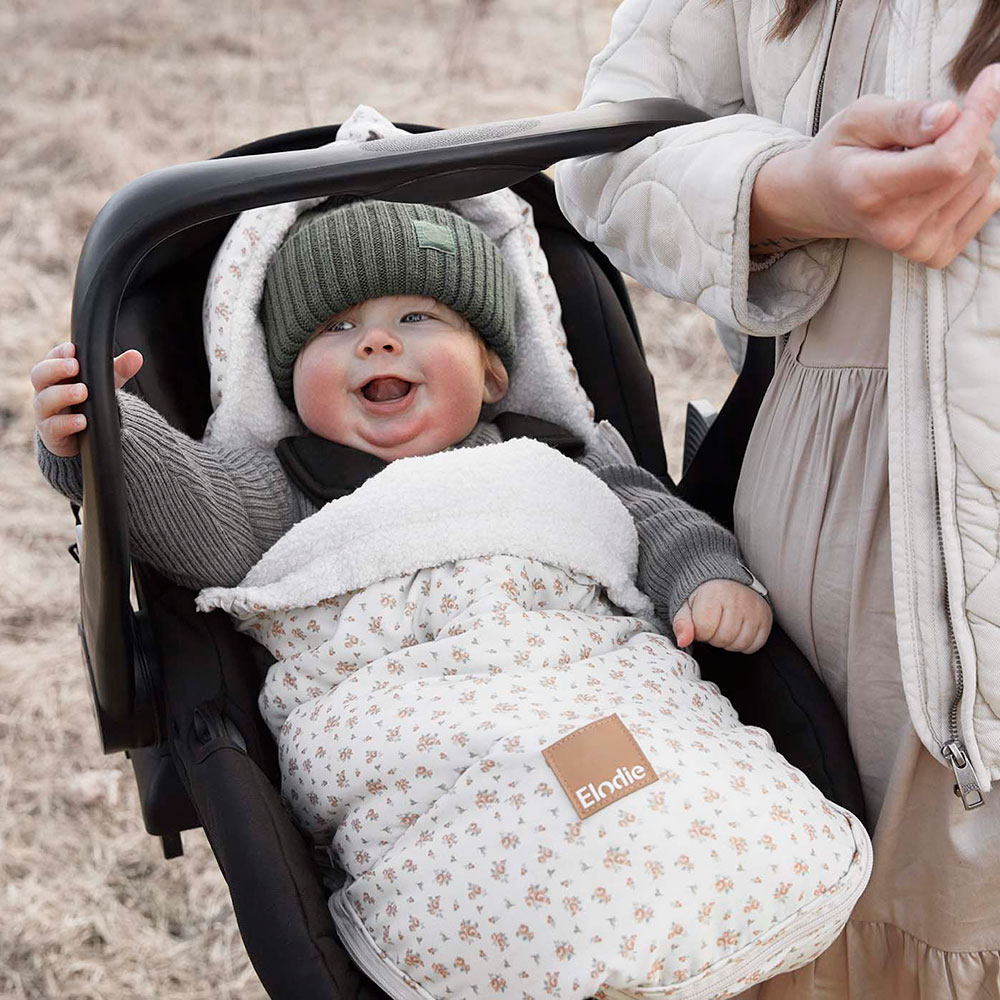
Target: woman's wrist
781	208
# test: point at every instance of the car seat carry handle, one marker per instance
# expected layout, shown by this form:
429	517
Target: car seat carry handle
434	166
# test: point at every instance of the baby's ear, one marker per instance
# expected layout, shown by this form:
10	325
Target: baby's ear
497	381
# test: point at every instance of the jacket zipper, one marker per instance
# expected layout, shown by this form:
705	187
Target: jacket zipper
822	76
783	340
953	750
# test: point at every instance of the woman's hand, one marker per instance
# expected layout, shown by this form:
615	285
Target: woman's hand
724	613
55	393
890	173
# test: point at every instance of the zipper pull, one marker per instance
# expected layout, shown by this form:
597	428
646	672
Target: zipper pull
966	785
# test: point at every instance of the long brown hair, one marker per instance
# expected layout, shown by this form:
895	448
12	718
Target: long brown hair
981	48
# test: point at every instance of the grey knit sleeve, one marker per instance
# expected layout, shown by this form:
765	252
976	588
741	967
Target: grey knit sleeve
201	515
680	547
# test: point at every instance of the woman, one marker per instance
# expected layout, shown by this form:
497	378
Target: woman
836	204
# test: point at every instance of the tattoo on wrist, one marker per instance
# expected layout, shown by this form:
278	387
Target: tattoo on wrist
777	245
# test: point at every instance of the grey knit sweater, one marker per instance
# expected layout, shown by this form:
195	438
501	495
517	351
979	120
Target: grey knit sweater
203	515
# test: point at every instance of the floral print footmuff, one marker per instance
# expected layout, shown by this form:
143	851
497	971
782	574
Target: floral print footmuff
528	788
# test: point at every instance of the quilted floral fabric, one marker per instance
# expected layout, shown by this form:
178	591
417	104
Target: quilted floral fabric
411	715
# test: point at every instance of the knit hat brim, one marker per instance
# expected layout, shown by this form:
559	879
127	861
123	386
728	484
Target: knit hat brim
334	258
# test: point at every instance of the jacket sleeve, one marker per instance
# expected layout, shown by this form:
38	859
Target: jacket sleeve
200	515
673	211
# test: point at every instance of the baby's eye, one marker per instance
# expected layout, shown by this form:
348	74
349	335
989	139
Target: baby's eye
338	327
415	317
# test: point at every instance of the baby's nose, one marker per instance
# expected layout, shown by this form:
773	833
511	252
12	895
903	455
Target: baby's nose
379	342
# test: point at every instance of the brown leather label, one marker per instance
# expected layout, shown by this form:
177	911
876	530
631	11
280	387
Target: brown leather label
599	764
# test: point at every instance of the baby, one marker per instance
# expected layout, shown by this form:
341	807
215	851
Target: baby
388	326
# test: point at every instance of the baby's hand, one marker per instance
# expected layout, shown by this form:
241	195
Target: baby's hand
55	393
724	613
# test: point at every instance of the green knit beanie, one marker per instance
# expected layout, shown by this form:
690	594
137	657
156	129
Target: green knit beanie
334	258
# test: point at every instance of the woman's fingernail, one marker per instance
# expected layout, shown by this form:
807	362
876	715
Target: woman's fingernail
932	115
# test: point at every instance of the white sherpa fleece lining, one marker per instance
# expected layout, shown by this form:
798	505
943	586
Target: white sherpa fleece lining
247	409
459	504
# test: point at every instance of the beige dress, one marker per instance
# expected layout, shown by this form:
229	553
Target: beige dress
812	517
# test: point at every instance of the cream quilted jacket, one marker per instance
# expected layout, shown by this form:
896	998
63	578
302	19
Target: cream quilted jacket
673	211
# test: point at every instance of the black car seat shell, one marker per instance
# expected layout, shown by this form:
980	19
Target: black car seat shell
208	759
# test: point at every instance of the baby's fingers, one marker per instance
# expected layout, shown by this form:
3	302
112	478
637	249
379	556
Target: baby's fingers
683	626
54	399
53	370
126	365
57	432
756	628
729	628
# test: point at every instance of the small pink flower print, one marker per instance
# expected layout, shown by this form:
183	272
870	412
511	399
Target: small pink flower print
627	946
642	914
727	939
537	896
497	983
500	941
768	842
723	884
780	815
460	963
783	889
572	905
468	931
440	970
525	933
601	895
551	982
676	930
700	830
412	959
564	950
615	858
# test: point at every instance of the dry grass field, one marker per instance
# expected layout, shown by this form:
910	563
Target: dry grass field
92	94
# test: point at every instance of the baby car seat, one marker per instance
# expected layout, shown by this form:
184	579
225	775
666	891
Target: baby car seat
176	690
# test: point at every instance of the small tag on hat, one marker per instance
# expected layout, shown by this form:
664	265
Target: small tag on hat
599	764
431	236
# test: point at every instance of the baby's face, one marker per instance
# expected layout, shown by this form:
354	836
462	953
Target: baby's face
396	376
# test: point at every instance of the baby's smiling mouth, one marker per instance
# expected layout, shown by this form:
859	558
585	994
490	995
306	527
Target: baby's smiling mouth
385	389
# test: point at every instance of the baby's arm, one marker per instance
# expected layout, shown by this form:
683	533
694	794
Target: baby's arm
201	515
689	565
